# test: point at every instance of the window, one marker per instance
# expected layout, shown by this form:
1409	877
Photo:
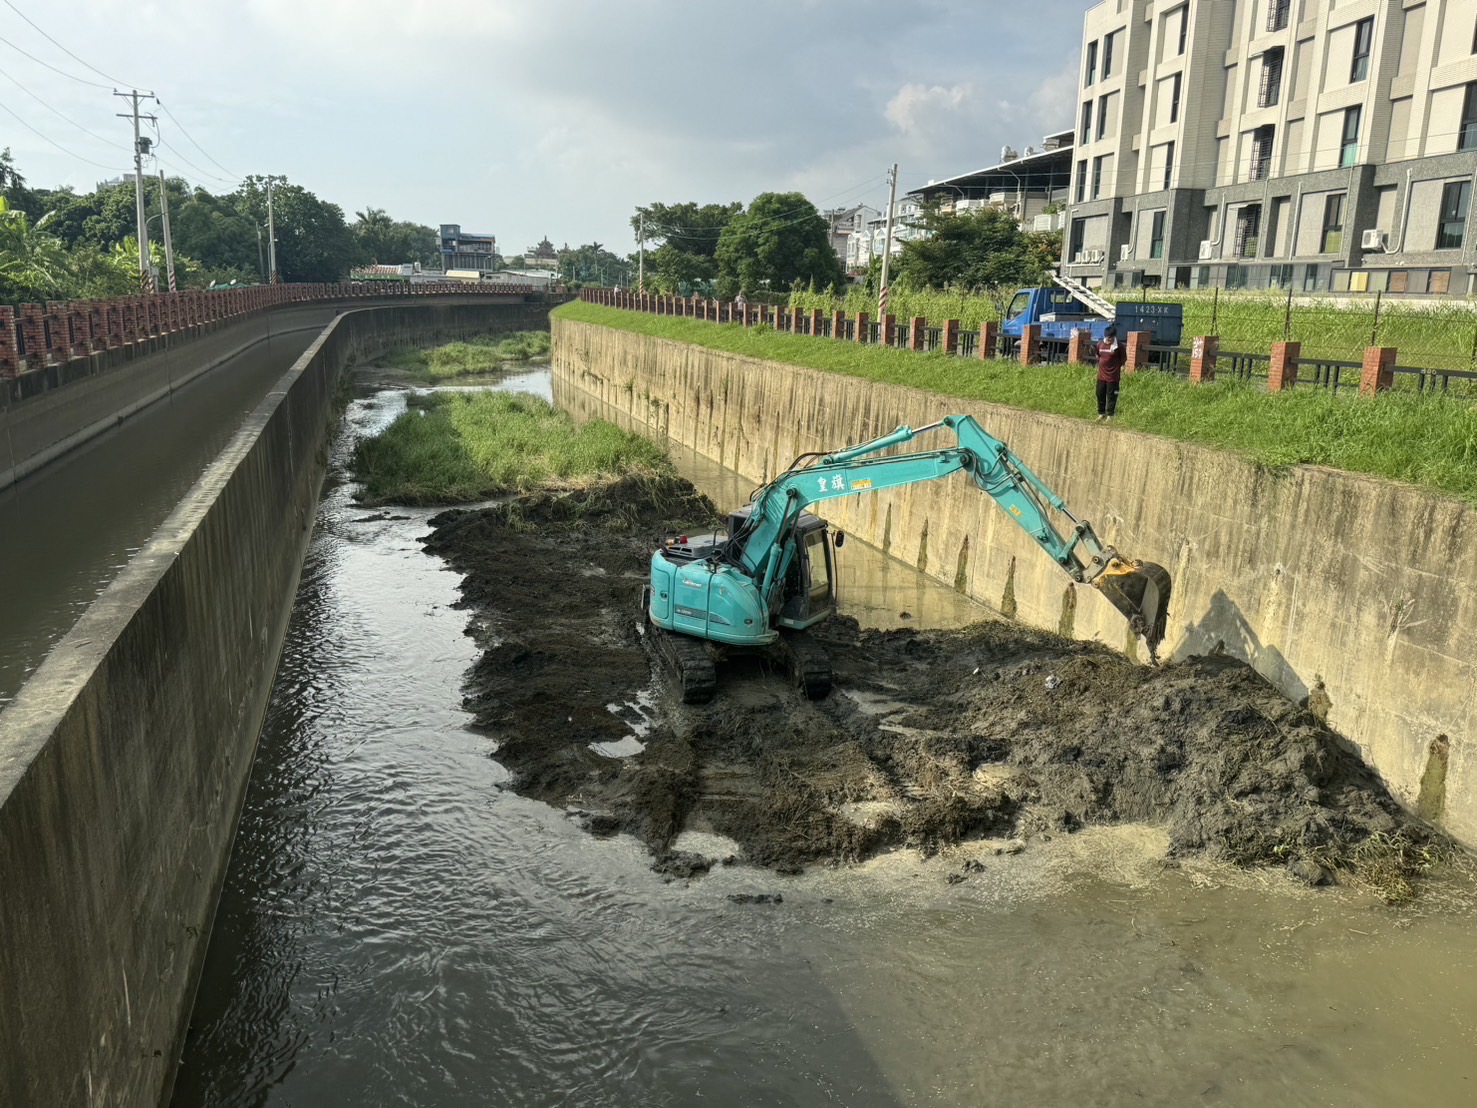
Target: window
1453	225
1271	88
1261	152
1091	65
1399	280
1102	118
1086	123
1079	237
1156	236
1439	281
1467	139
1350	151
1277	13
1363	43
1185	28
1168	164
1174	98
1097	175
1333	225
1081	181
1248	229
1108	55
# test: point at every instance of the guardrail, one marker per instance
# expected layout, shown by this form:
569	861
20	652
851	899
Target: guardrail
1279	369
35	336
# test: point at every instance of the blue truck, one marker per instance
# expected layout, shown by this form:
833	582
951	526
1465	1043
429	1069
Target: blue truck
1072	307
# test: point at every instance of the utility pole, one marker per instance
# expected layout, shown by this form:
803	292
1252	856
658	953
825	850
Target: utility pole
140	148
887	248
641	245
168	242
261	259
271	238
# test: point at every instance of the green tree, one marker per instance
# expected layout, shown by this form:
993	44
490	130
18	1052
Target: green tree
984	248
592	264
687	242
386	241
314	243
780	241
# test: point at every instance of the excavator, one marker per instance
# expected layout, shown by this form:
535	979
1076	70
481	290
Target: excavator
762	584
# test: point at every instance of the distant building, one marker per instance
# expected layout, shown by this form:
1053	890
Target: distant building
870	243
542	256
1023	186
466	250
847	225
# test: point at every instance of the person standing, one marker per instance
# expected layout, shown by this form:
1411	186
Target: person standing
1110	358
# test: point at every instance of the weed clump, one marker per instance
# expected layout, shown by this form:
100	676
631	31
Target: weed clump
451	448
483	354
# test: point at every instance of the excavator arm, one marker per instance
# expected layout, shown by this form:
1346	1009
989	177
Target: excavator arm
1140	590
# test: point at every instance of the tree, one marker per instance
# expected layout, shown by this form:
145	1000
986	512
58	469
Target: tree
592	264
984	248
314	242
780	241
386	241
688	236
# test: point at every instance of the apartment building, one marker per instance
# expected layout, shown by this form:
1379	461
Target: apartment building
1321	145
467	250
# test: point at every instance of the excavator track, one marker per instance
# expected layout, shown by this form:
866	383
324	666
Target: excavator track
809	666
690	662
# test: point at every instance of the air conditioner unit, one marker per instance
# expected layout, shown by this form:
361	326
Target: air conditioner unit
1094	257
1125	252
1375	240
1207	250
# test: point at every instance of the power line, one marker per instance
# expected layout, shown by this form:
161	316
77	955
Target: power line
45	138
60	47
181	126
59	114
54	69
200	173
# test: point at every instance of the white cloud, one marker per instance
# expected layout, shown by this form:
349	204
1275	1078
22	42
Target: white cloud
920	108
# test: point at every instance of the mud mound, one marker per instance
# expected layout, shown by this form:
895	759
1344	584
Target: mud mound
929	739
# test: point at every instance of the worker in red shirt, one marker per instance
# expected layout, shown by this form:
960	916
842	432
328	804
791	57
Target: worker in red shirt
1110	358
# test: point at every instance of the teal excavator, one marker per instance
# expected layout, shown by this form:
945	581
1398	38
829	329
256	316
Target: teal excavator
771	576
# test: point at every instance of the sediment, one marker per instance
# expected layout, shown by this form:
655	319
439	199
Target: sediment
930	738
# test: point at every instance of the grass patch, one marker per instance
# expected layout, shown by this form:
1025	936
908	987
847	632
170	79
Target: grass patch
1430	441
478	355
451	448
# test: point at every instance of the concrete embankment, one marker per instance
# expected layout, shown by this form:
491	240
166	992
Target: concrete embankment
123	761
1353	592
46	413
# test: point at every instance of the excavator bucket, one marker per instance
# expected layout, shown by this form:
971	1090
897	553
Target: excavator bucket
1140	590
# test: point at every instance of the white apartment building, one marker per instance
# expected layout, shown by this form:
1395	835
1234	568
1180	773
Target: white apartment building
1312	144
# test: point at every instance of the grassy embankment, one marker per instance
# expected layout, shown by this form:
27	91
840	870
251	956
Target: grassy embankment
1429	441
478	355
451	448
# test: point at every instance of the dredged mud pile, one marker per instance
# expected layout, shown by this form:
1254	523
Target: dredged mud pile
929	738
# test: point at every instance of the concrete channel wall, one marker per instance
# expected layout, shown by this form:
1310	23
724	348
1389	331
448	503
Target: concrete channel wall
1357	593
45	413
124	760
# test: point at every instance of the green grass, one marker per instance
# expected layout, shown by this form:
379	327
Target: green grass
1429	441
451	448
479	355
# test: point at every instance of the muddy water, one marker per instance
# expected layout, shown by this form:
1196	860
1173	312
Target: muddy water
398	929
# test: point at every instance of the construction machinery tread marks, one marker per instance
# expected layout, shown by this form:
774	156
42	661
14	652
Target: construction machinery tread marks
809	666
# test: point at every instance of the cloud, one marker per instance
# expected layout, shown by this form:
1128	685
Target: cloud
917	108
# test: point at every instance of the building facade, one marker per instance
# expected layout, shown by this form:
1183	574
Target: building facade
1319	145
467	251
847	227
1032	187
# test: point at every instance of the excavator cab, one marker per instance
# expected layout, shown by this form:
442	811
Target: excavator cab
807	594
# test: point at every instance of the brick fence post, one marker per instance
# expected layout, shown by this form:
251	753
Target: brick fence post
33	331
58	334
1282	370
916	327
989	339
796	315
863	325
1030	343
1202	358
79	328
949	341
1138	351
838	324
1379	370
889	329
10	362
1077	347
817	322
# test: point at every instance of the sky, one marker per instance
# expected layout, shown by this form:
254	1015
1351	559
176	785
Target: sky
533	118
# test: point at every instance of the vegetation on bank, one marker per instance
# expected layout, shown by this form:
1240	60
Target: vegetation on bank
457	447
483	354
1430	441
